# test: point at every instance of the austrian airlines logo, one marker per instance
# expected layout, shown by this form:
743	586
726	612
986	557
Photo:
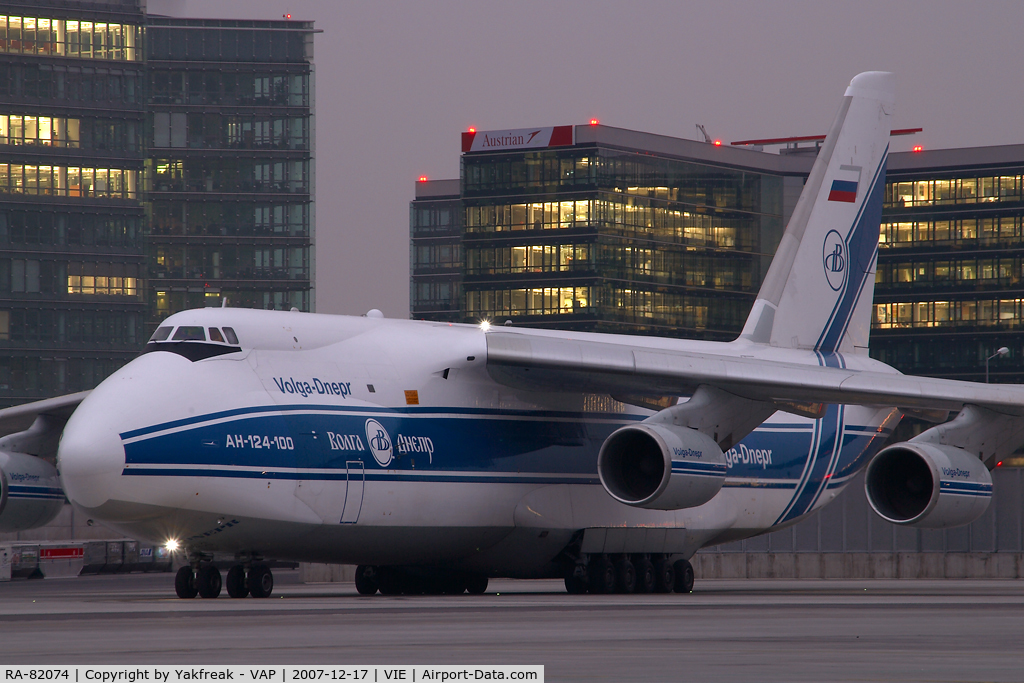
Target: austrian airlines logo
835	259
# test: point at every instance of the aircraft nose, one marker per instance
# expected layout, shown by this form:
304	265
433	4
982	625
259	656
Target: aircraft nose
90	457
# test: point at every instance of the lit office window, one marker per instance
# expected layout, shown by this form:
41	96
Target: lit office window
103	279
69	181
69	38
988	189
39	130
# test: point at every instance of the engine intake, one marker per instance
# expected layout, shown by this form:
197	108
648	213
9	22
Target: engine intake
927	486
30	492
661	467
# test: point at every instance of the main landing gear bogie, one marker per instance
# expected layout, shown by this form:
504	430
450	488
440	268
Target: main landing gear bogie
603	574
204	580
396	581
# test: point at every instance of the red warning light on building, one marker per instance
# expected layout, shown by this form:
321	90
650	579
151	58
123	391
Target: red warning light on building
594	122
717	143
286	16
918	148
422	179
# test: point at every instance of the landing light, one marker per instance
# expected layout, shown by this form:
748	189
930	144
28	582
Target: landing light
485	325
172	545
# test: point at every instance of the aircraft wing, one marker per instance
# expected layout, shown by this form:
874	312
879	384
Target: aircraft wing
546	362
35	428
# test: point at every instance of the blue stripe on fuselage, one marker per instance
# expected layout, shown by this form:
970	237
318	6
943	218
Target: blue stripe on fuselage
468	446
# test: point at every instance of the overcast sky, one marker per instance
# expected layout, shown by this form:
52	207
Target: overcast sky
397	82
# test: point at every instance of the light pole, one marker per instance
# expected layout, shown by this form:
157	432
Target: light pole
1001	352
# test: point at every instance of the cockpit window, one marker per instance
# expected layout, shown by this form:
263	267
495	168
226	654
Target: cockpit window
230	334
189	333
215	335
161	334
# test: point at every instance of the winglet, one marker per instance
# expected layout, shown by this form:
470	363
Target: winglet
817	293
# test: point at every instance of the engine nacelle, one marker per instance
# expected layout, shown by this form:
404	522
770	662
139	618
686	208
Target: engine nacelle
30	492
928	486
661	467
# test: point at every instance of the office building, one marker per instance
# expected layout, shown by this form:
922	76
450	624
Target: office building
231	161
604	229
949	291
72	264
147	165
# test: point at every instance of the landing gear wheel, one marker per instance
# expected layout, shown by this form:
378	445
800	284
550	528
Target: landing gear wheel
645	582
453	585
235	582
625	576
684	577
664	576
476	584
366	583
261	581
575	585
390	581
601	575
185	583
208	581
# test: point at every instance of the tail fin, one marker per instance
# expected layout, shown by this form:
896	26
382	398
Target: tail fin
817	293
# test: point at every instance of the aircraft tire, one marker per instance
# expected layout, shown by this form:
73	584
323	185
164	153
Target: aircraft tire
261	581
644	575
625	576
390	581
601	575
574	585
476	584
236	583
185	583
453	585
208	581
684	576
366	584
664	576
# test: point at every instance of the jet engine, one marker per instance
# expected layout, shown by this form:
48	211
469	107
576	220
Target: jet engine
661	467
927	485
30	492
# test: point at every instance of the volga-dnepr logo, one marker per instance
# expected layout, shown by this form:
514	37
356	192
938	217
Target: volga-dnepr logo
380	442
835	259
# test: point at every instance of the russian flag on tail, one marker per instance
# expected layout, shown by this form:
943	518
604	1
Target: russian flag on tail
843	191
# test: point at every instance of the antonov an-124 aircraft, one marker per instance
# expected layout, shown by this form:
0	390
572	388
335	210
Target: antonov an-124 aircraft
434	456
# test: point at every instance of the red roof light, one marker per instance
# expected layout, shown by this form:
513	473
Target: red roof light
423	178
718	143
594	122
918	148
472	130
287	16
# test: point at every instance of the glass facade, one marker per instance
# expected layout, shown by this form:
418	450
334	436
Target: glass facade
948	291
600	238
436	220
230	164
72	258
